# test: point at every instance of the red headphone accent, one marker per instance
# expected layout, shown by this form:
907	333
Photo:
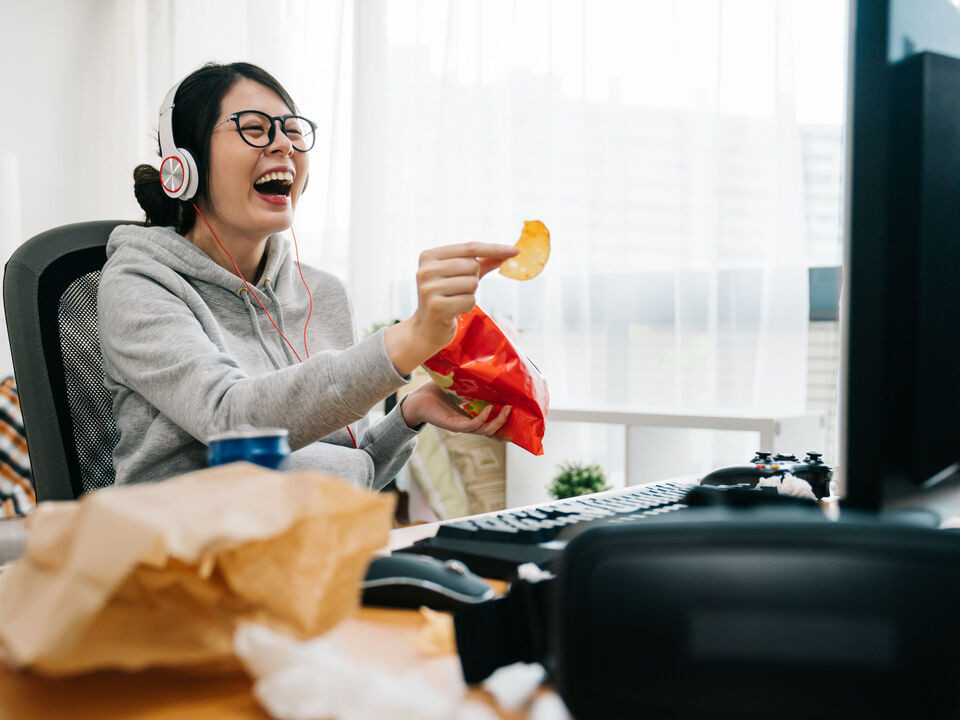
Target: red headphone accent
254	296
170	172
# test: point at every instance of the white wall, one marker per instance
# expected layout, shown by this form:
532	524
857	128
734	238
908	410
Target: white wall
10	233
83	80
55	60
60	80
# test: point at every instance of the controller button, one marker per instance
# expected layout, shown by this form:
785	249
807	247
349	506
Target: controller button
760	467
774	467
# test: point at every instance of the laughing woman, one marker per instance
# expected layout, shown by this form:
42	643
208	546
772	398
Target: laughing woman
208	324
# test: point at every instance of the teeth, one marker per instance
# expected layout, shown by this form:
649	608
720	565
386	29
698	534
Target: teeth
285	176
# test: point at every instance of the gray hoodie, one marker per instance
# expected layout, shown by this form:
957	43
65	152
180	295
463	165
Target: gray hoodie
188	353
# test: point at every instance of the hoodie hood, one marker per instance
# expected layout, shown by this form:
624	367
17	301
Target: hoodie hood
167	246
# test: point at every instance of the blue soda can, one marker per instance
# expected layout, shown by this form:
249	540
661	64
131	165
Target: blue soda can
263	446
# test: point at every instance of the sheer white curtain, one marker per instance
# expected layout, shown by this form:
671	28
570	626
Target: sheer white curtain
657	141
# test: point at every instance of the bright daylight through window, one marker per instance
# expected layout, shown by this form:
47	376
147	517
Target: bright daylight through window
687	158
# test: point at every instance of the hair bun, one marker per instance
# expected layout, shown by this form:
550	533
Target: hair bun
161	209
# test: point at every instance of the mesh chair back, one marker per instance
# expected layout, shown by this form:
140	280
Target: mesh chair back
50	299
94	430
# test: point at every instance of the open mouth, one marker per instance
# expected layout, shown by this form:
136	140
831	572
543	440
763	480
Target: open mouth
274	183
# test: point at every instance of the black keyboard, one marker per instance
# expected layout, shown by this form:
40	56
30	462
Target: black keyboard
494	545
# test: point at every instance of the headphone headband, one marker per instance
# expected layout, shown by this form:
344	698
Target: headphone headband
166	122
179	175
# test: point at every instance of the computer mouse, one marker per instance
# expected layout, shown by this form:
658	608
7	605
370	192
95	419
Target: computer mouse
408	580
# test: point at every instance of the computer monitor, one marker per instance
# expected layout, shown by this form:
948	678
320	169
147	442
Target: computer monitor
900	411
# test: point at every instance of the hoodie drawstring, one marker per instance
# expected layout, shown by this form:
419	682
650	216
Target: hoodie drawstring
267	287
255	322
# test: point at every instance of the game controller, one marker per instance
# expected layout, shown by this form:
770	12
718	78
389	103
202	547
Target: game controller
767	465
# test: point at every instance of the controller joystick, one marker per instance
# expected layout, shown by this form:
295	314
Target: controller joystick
812	470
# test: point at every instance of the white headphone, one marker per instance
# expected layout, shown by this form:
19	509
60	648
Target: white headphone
178	170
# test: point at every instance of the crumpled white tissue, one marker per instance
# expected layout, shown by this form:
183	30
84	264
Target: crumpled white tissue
793	486
549	706
796	487
514	685
316	680
533	573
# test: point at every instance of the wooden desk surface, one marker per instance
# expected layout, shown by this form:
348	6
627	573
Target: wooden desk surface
376	636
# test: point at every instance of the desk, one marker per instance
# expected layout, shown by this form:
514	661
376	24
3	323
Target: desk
168	695
378	635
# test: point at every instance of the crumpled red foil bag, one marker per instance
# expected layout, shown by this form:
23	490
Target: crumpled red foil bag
482	367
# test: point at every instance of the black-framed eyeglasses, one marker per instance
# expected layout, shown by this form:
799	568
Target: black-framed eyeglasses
258	129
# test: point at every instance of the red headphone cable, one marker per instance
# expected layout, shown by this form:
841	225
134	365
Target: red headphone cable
254	295
296	249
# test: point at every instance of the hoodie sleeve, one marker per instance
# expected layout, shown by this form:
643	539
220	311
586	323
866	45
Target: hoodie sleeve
390	443
160	339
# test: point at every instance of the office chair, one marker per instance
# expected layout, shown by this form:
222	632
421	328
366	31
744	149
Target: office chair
50	300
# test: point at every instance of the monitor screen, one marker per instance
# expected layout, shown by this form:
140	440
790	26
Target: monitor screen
901	406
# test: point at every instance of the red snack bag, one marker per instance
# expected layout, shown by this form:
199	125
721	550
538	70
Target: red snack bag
482	367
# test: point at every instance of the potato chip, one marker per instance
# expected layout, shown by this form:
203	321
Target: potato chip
534	246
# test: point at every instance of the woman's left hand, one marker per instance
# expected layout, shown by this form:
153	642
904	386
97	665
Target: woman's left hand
428	403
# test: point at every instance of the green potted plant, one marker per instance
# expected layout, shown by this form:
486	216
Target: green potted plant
577	479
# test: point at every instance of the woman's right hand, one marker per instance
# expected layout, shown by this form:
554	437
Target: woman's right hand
447	281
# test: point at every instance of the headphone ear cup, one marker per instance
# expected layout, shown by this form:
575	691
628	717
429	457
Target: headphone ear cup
179	175
193	174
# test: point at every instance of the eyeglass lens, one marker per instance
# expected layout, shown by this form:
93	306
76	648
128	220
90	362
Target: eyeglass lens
255	129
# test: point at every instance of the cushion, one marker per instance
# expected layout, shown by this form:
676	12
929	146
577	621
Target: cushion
16	488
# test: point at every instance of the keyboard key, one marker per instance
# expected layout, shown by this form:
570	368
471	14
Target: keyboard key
528	530
494	529
461	529
494	544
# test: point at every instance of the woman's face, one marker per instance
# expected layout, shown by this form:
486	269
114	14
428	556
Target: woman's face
233	196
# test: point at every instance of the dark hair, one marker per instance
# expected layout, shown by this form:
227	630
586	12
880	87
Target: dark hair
197	108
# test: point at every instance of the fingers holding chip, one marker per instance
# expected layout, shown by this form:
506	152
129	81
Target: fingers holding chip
534	247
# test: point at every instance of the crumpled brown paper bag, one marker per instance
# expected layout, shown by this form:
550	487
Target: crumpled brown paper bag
161	574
